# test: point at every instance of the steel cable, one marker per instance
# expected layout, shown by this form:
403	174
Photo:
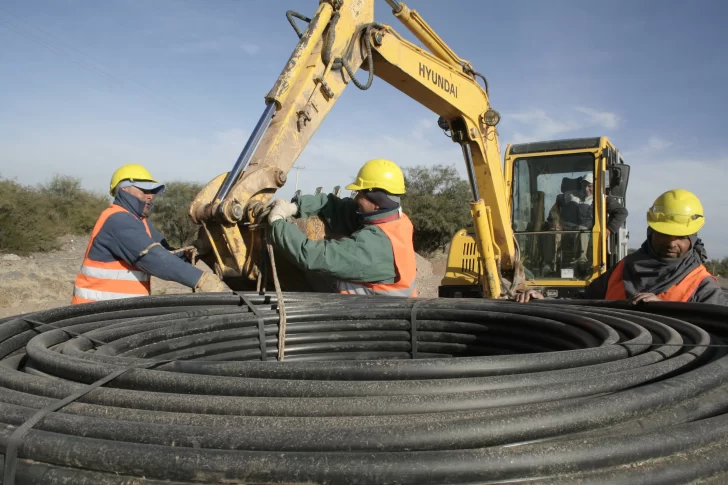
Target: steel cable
551	392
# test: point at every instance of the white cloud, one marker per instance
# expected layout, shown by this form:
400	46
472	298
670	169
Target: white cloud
603	119
655	143
332	160
250	48
537	125
424	128
706	179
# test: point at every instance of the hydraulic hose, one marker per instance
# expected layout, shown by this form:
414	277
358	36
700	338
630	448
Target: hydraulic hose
184	389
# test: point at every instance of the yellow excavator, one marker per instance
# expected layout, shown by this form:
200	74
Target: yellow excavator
510	244
556	193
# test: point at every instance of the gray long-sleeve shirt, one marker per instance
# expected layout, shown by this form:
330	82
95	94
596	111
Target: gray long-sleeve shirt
616	214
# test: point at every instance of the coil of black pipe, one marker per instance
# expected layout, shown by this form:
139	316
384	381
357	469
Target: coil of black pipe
497	392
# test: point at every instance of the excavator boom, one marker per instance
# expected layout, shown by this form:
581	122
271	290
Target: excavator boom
341	38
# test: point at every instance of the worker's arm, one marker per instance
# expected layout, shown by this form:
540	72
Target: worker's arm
709	291
616	215
125	237
366	256
340	214
158	237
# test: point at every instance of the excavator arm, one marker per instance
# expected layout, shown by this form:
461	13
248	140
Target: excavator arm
340	39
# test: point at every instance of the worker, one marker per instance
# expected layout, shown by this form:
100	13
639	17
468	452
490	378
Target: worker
669	265
581	215
125	249
376	256
574	210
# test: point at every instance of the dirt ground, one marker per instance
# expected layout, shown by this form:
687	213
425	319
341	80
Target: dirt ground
45	280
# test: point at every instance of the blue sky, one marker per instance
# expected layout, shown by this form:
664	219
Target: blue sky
178	85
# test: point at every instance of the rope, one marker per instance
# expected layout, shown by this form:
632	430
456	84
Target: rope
263	283
279	297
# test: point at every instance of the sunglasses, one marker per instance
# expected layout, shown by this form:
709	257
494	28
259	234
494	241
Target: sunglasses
654	215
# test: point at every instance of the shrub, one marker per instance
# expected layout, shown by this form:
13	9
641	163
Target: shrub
77	209
170	214
28	221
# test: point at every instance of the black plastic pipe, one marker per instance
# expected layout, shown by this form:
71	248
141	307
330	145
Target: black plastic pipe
548	392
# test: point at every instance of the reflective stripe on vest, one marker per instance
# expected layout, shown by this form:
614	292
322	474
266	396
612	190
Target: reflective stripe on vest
400	232
681	292
97	281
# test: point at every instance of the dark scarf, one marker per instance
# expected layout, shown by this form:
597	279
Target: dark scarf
646	271
382	199
378	217
130	203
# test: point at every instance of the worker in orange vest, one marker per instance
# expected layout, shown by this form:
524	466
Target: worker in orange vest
669	265
377	257
125	250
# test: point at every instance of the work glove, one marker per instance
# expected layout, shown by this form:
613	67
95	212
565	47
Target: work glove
191	255
281	209
210	283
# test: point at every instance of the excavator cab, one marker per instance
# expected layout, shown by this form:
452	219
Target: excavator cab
557	194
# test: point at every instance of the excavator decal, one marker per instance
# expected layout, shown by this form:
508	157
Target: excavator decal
438	80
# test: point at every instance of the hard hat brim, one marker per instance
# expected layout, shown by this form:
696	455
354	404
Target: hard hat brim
150	185
159	188
354	187
672	229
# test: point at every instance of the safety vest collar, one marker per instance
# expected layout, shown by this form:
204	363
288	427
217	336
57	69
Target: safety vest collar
381	217
680	292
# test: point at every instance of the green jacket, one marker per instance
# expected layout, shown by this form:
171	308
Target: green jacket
366	256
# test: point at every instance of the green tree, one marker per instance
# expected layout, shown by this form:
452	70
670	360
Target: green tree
28	221
170	214
437	202
718	267
76	208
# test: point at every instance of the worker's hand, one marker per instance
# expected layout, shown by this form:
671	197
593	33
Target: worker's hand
210	283
191	255
528	295
282	209
638	298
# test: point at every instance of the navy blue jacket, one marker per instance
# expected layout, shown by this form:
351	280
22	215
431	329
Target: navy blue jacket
123	237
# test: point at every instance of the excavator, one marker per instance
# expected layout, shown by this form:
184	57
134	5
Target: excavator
520	236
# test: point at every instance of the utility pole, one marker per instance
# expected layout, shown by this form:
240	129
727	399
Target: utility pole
297	170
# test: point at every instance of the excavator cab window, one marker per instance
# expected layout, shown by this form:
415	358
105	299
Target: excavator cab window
553	215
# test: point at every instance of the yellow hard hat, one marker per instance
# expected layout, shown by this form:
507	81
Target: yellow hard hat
379	174
137	175
677	212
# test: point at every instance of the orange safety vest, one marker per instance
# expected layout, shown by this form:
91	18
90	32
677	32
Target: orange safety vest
98	281
682	291
399	231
